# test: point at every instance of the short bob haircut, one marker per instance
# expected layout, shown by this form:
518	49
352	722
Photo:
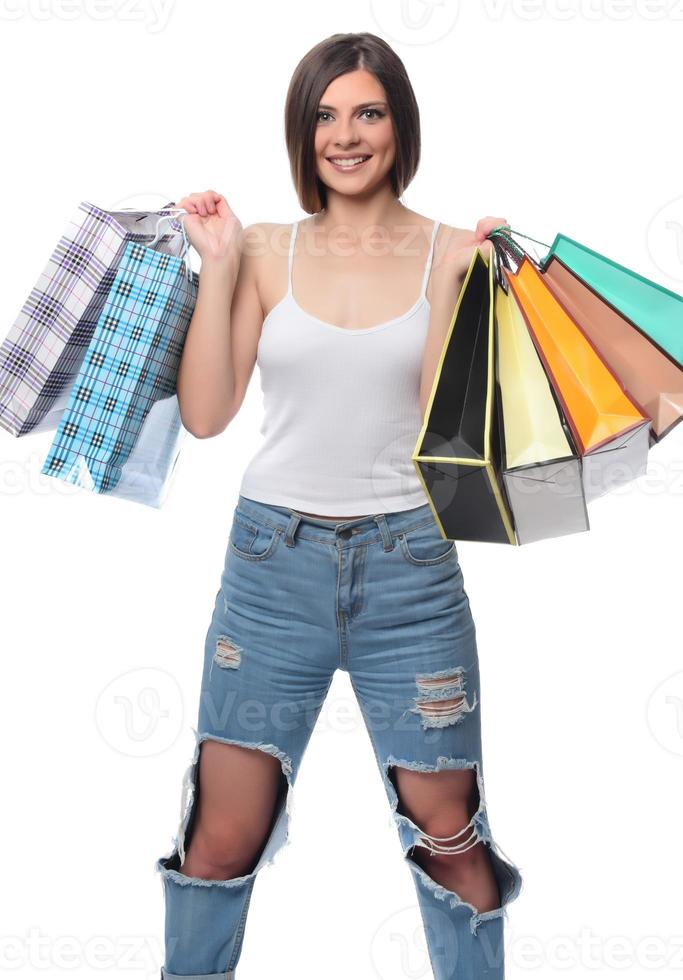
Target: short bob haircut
337	55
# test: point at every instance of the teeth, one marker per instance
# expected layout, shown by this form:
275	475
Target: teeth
350	162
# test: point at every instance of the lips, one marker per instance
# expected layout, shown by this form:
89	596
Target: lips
345	164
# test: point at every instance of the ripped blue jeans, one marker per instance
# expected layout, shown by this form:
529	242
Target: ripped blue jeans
383	598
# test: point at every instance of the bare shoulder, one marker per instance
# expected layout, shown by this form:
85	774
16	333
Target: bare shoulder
259	238
265	241
265	246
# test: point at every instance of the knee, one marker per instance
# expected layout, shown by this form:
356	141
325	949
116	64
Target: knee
221	847
449	838
446	822
451	841
443	806
436	800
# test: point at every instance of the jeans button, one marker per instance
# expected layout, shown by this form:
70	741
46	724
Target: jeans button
345	533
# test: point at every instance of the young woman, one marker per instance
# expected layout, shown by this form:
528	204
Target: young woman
334	558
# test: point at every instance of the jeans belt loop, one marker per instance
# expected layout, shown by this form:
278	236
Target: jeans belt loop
381	521
293	524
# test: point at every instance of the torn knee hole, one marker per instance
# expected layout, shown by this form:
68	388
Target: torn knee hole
469	808
476	831
189	804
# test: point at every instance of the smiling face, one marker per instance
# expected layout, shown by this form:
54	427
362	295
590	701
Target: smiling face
354	139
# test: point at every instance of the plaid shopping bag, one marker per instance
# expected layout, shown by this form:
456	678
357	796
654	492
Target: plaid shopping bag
130	366
43	350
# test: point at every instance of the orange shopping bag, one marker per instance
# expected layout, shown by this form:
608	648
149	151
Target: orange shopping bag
610	428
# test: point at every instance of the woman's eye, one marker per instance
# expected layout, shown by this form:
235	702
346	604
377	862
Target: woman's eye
378	114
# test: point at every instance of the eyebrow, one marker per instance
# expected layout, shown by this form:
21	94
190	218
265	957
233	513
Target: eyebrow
362	105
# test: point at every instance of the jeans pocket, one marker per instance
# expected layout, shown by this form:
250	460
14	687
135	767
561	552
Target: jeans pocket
426	546
251	541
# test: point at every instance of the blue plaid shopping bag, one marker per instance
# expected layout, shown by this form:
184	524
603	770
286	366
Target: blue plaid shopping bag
42	352
121	431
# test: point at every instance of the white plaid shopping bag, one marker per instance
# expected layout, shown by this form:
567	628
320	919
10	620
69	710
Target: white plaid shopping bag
43	350
121	431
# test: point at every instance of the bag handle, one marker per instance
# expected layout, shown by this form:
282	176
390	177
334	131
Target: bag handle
185	255
168	217
167	213
504	247
505	231
501	236
116	207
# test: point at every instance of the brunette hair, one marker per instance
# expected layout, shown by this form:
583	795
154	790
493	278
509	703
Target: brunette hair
337	55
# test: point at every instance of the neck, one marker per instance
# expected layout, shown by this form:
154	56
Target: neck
358	212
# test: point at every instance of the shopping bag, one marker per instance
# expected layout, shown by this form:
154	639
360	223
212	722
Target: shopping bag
651	375
42	352
541	466
657	311
610	430
121	431
458	453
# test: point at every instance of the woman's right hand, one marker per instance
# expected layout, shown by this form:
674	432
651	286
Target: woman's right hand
461	256
212	227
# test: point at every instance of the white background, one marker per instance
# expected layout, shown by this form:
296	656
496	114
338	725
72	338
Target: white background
558	116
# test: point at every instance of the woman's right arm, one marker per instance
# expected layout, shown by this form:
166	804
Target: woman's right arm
217	361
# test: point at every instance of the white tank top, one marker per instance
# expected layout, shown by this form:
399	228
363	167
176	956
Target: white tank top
341	409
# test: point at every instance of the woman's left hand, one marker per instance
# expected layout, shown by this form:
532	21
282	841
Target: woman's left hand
462	256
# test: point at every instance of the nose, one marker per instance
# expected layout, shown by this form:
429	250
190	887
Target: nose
345	133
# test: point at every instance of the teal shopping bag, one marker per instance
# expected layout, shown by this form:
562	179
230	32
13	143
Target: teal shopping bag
654	309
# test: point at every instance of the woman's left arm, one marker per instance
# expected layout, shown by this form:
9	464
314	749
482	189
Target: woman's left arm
453	250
